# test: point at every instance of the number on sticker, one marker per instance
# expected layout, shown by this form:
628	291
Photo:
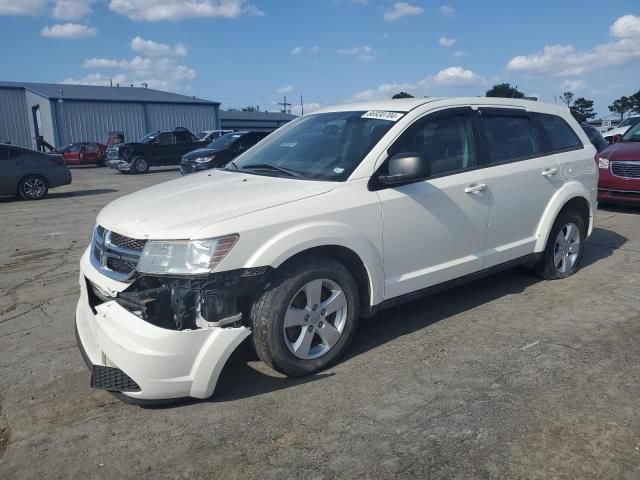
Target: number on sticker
383	115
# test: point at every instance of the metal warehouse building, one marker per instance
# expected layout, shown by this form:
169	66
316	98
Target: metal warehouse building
65	114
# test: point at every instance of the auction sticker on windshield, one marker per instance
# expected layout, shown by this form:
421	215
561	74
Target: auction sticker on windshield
383	115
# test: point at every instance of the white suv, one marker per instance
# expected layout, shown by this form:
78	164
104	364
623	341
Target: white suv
337	215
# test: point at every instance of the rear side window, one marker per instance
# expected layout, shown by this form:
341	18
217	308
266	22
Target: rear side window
561	136
92	147
509	137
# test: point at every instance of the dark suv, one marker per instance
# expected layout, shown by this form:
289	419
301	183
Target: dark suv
157	148
220	152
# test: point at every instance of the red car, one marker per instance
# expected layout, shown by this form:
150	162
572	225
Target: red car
619	166
84	153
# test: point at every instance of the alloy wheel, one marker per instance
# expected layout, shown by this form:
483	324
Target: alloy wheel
315	319
567	248
34	187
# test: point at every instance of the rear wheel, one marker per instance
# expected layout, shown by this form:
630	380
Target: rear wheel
307	319
564	249
139	165
33	187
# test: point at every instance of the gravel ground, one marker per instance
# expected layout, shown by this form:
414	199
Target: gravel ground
505	377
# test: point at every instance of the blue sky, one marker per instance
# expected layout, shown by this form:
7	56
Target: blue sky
255	51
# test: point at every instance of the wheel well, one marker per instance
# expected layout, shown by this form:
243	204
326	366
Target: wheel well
351	261
581	207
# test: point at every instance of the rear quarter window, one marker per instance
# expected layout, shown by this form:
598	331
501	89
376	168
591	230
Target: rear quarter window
560	135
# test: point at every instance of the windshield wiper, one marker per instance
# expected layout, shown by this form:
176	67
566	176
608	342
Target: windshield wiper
268	166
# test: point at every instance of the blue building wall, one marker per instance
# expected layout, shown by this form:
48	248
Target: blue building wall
15	118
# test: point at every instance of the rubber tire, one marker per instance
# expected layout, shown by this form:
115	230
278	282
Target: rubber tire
134	166
545	267
23	181
267	315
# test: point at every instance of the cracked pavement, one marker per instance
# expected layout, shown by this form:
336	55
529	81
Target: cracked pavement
505	377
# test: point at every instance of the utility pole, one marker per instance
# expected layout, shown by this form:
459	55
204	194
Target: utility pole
301	105
284	104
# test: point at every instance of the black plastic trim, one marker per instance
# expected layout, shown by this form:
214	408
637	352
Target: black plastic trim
409	297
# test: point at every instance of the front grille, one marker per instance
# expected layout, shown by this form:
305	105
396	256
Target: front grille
125	242
121	266
112	379
115	255
626	169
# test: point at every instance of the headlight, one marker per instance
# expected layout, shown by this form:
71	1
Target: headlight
603	162
204	159
183	257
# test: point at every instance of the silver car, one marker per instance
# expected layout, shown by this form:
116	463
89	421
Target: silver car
30	174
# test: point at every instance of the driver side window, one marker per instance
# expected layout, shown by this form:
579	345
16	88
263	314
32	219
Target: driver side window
446	142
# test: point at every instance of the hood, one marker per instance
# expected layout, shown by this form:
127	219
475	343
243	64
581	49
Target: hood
180	208
622	151
616	131
201	152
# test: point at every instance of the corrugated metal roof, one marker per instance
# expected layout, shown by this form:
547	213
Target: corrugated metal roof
105	94
226	115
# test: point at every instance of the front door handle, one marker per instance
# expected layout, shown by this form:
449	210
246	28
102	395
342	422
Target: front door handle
549	172
476	187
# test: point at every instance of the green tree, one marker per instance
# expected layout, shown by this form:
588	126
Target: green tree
582	109
250	108
567	97
635	102
621	106
504	90
402	95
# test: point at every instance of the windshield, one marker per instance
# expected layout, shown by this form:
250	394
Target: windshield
628	121
224	141
325	146
148	138
633	134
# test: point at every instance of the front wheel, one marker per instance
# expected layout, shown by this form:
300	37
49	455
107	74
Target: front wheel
565	246
33	187
306	319
139	165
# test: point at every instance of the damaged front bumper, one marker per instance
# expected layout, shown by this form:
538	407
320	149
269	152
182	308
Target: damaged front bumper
141	360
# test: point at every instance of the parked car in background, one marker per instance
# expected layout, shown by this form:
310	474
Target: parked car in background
339	214
84	153
616	134
154	149
595	137
619	166
210	135
29	173
220	152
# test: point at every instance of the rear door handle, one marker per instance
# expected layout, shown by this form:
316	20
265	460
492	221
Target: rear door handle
549	172
476	187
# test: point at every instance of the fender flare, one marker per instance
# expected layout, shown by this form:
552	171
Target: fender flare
299	238
568	192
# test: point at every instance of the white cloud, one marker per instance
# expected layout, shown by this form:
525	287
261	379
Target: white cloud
402	9
449	77
98	79
286	89
71	9
296	51
100	63
68	31
447	10
159	10
308	108
626	26
21	7
565	60
446	41
311	51
573	85
459	53
362	54
155	49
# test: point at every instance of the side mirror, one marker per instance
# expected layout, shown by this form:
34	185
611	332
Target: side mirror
406	168
617	137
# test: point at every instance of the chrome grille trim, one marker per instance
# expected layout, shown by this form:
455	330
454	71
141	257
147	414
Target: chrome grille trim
115	255
625	169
